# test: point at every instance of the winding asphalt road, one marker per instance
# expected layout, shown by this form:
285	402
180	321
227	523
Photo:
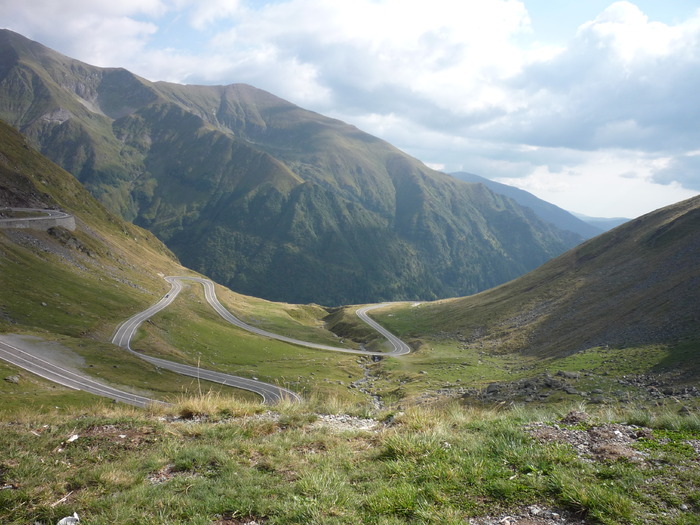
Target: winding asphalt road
23	358
122	337
270	393
49	214
63	376
400	348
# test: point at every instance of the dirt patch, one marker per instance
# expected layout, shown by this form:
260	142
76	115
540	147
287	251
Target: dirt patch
607	442
162	475
168	472
344	422
532	515
125	438
695	443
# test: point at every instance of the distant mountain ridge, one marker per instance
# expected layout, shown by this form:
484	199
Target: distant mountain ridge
544	210
264	196
606	223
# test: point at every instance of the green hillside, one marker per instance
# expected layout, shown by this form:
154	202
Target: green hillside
67	290
104	257
252	190
628	296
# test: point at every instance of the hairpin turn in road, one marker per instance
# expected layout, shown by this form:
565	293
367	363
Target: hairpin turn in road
10	351
270	393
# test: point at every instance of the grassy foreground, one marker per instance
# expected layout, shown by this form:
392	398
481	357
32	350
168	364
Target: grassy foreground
214	460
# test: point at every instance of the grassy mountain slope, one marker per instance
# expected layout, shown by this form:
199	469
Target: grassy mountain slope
67	290
251	189
302	465
635	285
125	258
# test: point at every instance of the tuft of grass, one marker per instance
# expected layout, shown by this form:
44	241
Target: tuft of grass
666	419
214	405
603	502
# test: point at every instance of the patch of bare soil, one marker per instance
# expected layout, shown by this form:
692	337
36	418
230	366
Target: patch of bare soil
606	442
342	422
166	473
532	515
123	438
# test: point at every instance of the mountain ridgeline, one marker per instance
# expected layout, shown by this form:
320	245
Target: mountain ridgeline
266	197
546	211
635	285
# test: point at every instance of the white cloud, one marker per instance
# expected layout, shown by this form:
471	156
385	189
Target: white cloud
99	32
77	8
205	13
630	33
624	81
605	181
684	169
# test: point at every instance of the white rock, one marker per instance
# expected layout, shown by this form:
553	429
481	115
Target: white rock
69	520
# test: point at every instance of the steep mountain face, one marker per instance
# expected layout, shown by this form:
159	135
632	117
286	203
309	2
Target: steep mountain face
264	196
635	285
546	211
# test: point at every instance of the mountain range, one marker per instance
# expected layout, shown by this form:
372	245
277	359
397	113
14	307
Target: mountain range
264	196
546	211
603	223
634	287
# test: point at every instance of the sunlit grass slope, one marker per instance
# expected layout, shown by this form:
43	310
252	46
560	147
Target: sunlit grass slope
635	286
233	462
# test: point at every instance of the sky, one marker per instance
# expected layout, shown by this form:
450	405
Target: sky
591	105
